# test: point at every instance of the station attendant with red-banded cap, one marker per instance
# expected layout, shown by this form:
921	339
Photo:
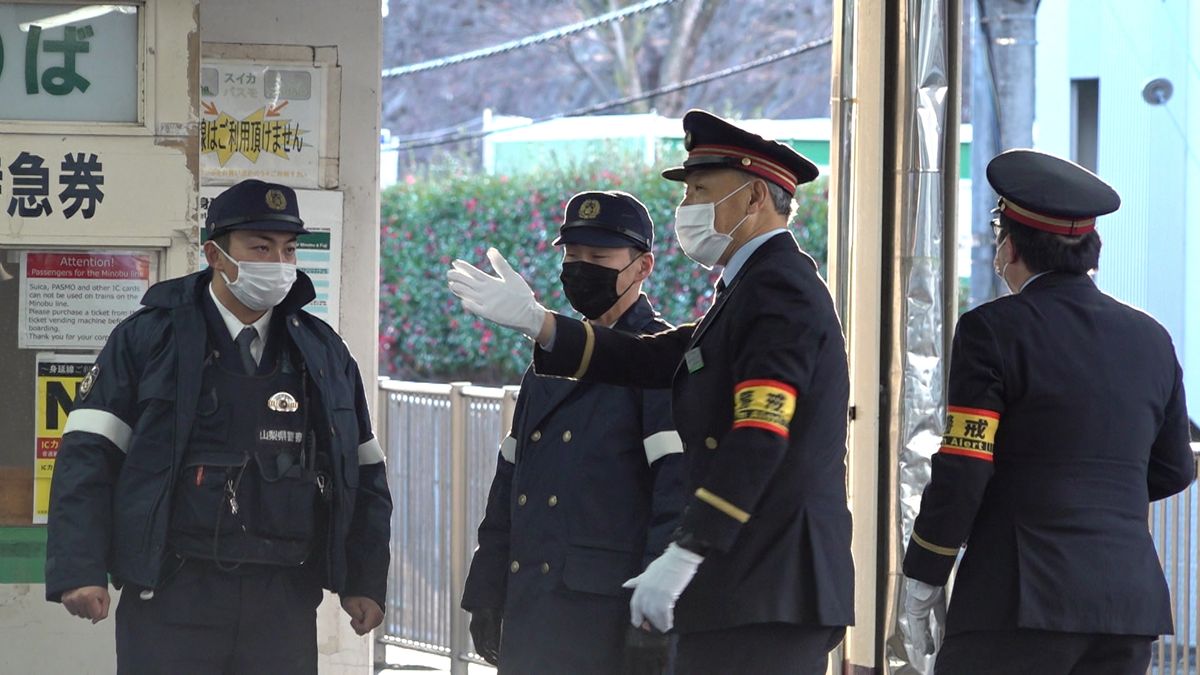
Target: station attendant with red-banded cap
758	577
1065	418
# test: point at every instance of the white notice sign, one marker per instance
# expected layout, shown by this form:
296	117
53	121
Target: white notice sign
73	300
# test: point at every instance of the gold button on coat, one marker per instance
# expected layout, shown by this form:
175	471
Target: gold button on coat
710	443
567	436
553	501
514	566
521	500
535	436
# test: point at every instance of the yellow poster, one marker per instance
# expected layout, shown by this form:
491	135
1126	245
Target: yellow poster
58	380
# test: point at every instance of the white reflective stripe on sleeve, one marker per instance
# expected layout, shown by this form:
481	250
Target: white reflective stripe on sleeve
662	444
100	422
508	449
370	452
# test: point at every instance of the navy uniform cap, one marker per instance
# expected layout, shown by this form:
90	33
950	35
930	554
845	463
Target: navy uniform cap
611	219
715	143
254	205
1049	193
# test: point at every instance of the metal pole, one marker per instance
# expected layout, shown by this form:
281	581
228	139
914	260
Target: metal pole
459	555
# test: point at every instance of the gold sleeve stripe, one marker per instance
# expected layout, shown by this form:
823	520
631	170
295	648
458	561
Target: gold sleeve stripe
970	432
588	345
940	550
764	404
722	505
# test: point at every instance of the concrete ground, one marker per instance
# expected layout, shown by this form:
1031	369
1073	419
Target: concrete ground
404	661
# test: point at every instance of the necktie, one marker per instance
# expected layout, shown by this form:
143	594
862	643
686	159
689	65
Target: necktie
720	285
243	341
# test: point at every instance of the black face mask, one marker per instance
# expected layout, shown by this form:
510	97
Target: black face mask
592	288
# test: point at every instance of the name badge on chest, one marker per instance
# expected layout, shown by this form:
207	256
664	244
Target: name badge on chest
694	359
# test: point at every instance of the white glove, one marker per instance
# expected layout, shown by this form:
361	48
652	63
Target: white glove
920	601
656	589
505	299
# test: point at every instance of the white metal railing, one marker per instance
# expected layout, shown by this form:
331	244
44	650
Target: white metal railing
441	443
1173	523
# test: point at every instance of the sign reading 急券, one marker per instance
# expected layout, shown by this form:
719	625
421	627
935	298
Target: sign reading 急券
63	63
27	190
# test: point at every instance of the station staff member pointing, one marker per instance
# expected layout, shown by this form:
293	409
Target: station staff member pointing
760	566
1066	417
589	481
220	465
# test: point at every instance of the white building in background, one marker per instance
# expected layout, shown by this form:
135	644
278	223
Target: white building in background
1118	90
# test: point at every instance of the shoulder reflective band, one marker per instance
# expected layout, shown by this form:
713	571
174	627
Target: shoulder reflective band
588	345
721	505
764	404
101	423
940	550
508	449
370	452
662	444
970	432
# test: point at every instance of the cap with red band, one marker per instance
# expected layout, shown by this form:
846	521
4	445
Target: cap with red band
1049	193
714	143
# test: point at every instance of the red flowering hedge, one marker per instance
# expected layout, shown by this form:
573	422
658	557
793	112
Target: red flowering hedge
427	222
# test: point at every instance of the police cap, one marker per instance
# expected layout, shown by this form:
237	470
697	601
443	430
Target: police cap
611	219
714	143
254	205
1049	193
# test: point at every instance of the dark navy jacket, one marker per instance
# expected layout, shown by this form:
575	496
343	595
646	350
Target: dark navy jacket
587	491
123	444
1066	418
760	394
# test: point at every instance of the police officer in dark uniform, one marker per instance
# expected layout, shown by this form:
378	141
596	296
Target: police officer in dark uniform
760	564
1066	418
589	481
220	465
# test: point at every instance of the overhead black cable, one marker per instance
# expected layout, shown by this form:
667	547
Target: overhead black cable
529	41
616	103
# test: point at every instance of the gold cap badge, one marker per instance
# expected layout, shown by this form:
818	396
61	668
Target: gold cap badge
283	402
589	209
276	200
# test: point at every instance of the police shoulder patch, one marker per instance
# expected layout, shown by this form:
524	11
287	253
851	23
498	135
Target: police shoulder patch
89	381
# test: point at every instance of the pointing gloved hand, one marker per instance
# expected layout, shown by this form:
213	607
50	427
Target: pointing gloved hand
506	299
485	633
646	651
656	589
921	600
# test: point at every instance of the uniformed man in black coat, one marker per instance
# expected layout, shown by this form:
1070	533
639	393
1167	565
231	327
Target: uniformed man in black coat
589	481
760	565
220	465
1065	419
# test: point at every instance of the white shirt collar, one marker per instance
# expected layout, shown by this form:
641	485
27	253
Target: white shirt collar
235	325
743	254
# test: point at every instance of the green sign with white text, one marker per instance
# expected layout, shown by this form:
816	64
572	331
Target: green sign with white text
69	63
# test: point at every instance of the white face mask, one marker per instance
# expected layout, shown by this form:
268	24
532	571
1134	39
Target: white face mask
696	229
260	285
1002	269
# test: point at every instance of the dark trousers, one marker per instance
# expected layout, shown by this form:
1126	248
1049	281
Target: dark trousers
208	622
767	648
1040	652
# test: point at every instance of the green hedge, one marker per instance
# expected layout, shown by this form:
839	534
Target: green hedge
428	222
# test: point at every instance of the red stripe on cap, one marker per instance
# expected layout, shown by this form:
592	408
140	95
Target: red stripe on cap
759	165
1046	223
